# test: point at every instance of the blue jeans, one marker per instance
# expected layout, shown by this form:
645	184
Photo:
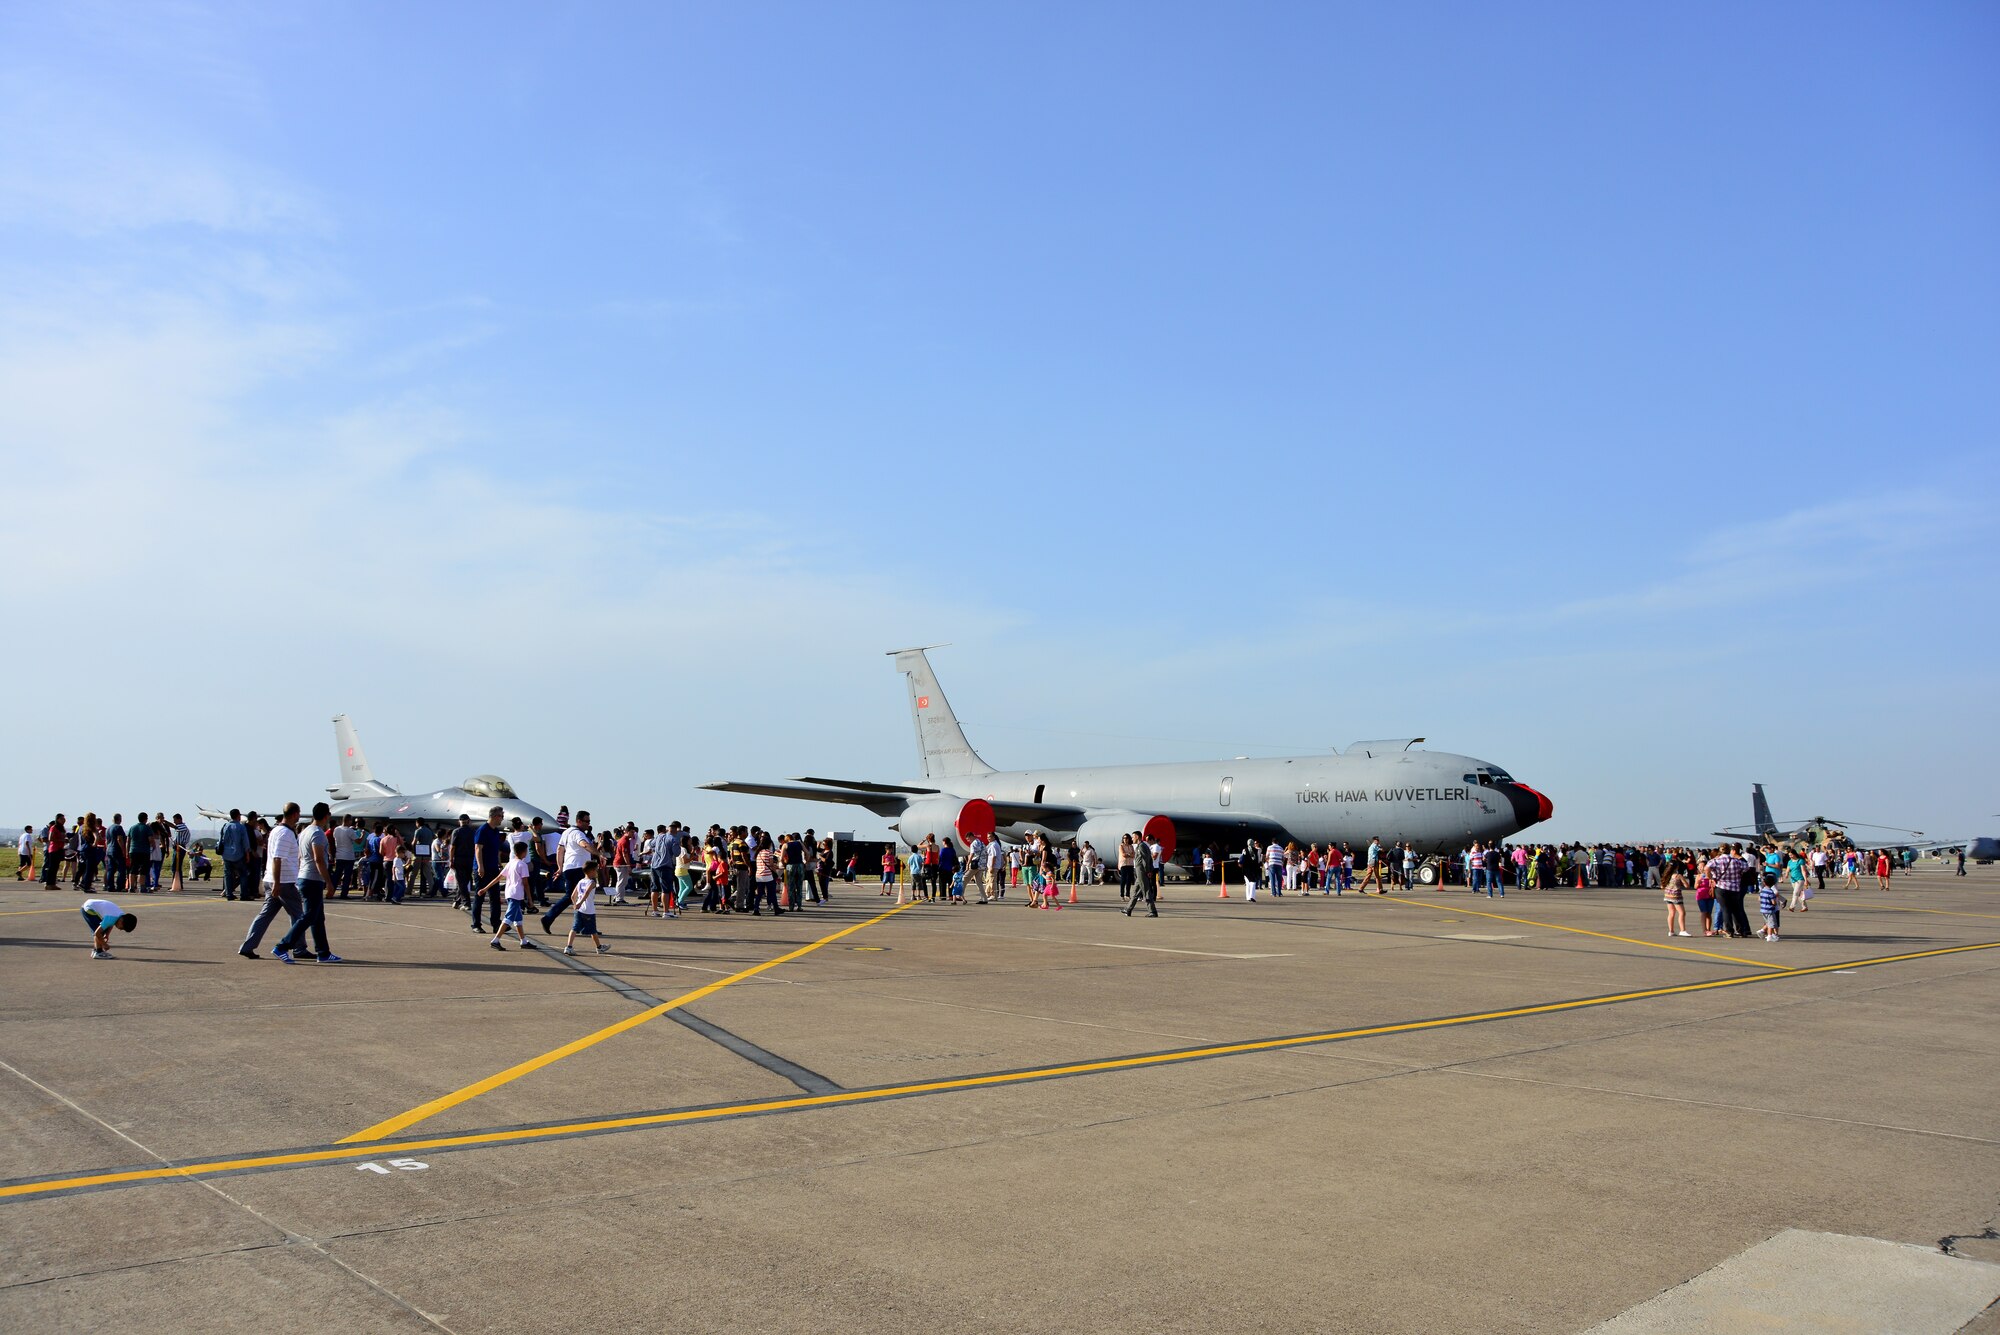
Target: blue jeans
1277	877
1475	879
313	919
236	879
282	896
558	898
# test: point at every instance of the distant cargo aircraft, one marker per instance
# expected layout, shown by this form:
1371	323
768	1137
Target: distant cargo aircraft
359	793
1818	831
1436	801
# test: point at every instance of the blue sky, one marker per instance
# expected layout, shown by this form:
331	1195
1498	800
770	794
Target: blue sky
592	396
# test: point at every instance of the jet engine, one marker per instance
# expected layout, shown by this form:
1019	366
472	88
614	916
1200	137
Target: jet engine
1102	829
955	818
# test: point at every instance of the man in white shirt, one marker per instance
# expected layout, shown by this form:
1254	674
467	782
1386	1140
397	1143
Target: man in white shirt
575	848
281	876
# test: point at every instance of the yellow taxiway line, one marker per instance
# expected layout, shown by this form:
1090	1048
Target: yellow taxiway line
472	1091
346	1150
150	907
1602	936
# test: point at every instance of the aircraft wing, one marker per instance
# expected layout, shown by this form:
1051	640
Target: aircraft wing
882	804
864	786
1225	832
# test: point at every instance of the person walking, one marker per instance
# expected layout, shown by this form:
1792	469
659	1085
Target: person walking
315	870
1795	881
1146	882
24	854
489	855
576	848
1372	874
280	878
519	870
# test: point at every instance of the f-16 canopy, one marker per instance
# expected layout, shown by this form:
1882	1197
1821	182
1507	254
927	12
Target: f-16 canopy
491	785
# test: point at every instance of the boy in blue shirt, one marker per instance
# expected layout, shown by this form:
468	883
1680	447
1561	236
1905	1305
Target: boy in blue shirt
1767	904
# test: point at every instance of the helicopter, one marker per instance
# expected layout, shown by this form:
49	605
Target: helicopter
1819	832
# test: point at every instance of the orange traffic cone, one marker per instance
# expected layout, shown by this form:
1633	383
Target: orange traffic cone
1223	881
1072	890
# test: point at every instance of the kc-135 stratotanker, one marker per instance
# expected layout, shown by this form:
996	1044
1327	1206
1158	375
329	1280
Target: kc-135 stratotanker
1436	801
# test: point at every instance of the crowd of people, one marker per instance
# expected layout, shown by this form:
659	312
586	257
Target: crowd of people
500	869
135	857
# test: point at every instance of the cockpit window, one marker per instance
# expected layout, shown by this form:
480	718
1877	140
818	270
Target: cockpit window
490	785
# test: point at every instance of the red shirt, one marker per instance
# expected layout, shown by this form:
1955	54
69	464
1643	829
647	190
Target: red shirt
621	856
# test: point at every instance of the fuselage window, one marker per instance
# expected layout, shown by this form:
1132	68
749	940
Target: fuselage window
1227	784
1038	793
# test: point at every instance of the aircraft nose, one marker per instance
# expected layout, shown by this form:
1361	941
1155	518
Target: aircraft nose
1530	806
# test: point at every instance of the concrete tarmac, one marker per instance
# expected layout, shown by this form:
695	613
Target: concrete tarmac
1423	1112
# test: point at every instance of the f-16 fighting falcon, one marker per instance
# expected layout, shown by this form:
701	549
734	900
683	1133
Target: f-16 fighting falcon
1434	800
360	794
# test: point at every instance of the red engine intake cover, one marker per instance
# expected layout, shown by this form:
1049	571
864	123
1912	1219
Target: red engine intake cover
974	818
1161	831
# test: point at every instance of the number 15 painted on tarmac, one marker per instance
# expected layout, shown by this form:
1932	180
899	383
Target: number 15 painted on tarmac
401	1165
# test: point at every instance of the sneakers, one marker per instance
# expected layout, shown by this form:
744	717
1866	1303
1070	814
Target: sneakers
249	954
528	945
97	954
331	958
1683	933
604	950
496	945
568	951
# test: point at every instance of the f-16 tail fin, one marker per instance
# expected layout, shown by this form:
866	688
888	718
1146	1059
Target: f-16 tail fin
1760	811
356	779
940	741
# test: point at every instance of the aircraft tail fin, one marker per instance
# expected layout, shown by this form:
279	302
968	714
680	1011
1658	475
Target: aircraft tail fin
356	779
1760	811
940	741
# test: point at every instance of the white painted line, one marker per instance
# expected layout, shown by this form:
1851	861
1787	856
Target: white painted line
1478	936
1799	1283
1163	950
